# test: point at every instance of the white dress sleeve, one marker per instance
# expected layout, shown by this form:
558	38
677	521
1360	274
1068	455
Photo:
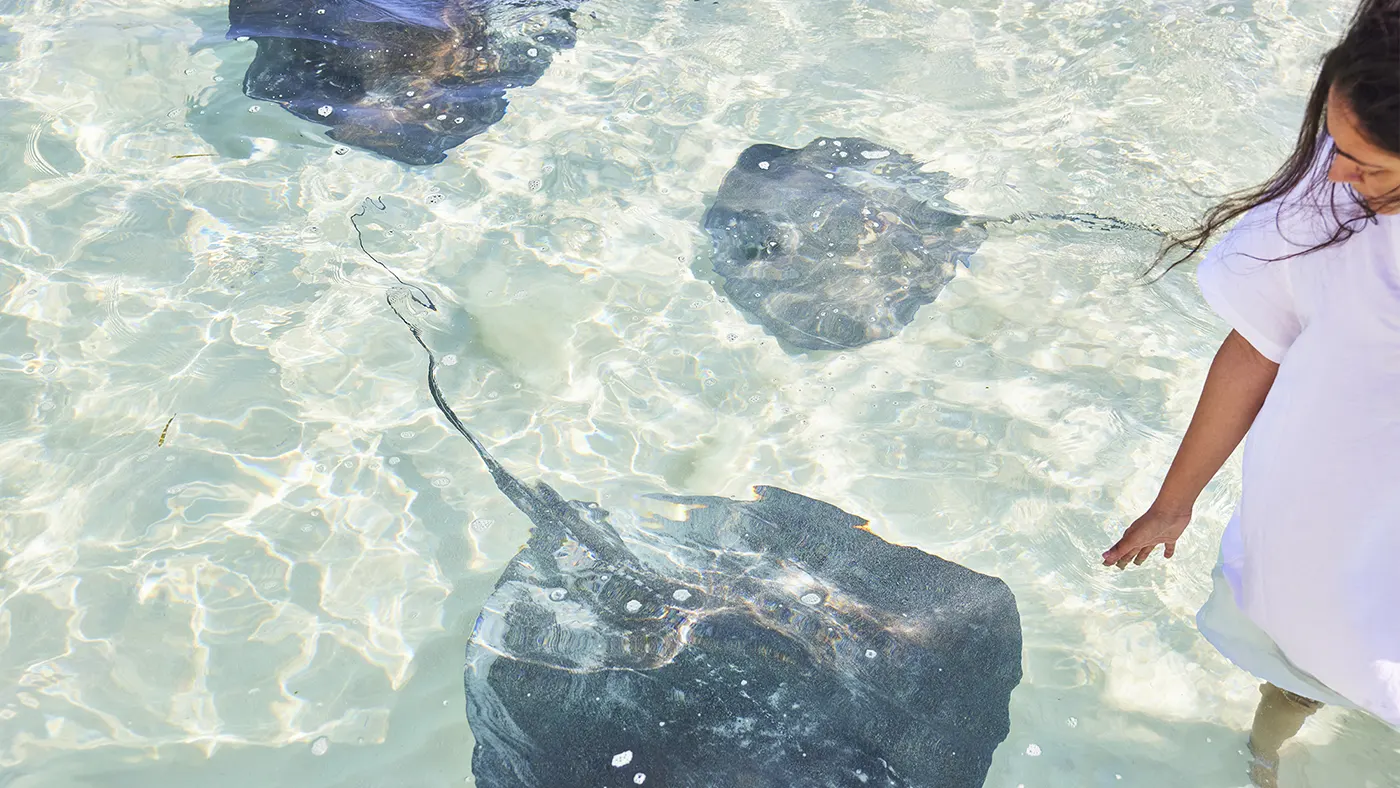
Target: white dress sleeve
1244	283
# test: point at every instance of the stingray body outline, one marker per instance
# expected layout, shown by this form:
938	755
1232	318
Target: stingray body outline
408	79
836	244
839	243
772	643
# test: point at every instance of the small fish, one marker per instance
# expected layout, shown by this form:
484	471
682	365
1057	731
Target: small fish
193	155
163	432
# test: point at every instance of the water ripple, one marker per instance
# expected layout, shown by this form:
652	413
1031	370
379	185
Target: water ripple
304	554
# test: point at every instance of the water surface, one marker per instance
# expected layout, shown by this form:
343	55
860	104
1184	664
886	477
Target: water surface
297	569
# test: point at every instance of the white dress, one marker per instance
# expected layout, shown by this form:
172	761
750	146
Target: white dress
1308	587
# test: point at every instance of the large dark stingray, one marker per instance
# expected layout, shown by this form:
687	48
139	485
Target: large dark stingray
408	79
773	643
840	243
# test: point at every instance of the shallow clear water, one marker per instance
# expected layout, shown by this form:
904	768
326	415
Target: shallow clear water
306	553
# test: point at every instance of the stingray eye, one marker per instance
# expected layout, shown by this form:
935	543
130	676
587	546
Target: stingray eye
759	248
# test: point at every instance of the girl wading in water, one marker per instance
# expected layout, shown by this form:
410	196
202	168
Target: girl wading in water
1307	589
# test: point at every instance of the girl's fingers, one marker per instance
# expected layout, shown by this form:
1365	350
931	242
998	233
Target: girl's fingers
1143	554
1169	550
1110	556
1123	548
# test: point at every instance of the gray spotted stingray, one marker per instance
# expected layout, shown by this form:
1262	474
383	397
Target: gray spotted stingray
768	643
407	79
839	243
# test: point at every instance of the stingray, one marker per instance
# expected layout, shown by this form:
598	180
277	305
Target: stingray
840	243
767	643
407	79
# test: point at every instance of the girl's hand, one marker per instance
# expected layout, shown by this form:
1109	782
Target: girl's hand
1142	537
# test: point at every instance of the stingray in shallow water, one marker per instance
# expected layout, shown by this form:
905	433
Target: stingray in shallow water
838	244
773	643
408	79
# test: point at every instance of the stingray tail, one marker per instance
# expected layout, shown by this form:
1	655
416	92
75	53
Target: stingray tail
399	299
545	507
1087	221
520	494
420	296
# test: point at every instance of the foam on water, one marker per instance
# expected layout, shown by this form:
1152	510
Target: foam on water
296	569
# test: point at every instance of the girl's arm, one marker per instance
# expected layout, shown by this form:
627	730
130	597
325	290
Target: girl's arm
1239	380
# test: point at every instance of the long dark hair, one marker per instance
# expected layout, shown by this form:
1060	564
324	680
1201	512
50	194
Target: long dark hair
1365	69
